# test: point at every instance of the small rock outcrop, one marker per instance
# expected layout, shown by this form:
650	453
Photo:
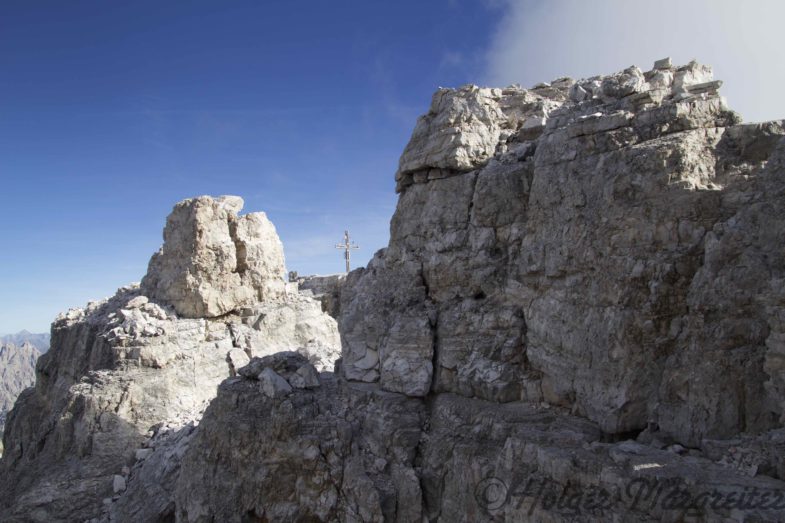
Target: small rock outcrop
127	378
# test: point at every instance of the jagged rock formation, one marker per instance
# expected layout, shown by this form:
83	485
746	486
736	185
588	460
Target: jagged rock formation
602	260
579	317
39	340
17	372
133	373
579	296
213	261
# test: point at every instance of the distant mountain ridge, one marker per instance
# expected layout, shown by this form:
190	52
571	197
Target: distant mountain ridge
17	372
39	340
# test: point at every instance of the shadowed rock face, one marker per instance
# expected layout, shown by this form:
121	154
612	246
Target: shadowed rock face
134	372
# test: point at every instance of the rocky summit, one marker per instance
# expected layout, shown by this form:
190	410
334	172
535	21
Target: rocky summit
580	316
131	375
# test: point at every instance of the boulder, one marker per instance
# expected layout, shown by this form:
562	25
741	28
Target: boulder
272	384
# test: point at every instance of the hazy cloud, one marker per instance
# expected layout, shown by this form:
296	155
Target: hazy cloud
539	40
451	59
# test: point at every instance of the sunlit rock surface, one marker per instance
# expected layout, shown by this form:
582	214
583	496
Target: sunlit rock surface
135	372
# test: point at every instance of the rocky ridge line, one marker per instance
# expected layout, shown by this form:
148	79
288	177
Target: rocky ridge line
38	340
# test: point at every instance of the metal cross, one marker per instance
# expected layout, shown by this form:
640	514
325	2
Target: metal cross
347	247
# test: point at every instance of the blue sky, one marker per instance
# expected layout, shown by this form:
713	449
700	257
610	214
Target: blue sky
111	112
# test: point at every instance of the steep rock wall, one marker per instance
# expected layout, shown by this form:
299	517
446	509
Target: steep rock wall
608	259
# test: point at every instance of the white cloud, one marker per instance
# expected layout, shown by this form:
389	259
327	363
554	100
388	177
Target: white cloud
539	40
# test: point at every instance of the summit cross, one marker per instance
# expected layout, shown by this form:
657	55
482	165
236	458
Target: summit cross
347	247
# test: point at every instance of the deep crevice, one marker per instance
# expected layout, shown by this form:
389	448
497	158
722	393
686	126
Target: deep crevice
241	253
616	437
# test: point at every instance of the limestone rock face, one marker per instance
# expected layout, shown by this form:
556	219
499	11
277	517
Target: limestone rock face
332	453
349	451
610	262
464	126
127	378
212	261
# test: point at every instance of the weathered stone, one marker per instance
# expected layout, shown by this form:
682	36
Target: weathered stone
306	377
214	261
326	289
391	458
142	454
691	74
118	483
306	458
272	384
664	63
284	363
547	296
464	126
661	80
704	87
570	275
236	358
623	84
17	372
